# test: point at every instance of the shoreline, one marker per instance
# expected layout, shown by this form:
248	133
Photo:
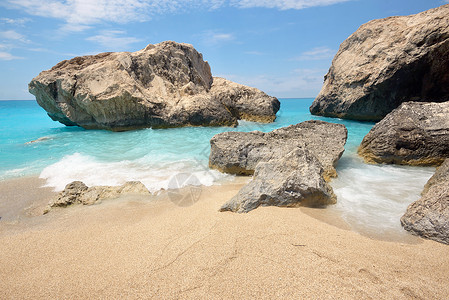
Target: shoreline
150	247
26	205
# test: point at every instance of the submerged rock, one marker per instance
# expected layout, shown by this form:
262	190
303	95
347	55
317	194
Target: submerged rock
77	192
387	62
163	85
240	152
413	134
429	216
291	180
291	165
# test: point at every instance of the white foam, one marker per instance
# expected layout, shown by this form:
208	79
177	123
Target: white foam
151	172
372	198
18	172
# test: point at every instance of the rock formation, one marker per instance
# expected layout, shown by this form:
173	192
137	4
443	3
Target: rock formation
291	165
429	216
414	134
291	180
77	192
387	62
163	85
240	152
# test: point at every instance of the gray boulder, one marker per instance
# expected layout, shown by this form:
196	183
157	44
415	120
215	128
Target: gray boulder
413	134
163	85
77	192
429	216
387	62
291	180
240	152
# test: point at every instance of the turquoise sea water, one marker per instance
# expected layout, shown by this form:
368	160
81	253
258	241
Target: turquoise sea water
373	196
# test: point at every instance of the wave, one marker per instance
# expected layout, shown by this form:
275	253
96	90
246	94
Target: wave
372	198
151	172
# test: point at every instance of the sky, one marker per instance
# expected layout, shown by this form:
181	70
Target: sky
283	47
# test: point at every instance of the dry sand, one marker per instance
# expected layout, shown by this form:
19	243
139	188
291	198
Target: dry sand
151	248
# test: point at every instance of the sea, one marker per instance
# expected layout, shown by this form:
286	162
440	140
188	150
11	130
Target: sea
370	198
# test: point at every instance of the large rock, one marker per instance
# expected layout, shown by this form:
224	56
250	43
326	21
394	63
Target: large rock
429	216
163	85
387	62
240	152
414	134
291	180
77	192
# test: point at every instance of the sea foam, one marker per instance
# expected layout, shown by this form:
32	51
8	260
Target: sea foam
153	174
372	198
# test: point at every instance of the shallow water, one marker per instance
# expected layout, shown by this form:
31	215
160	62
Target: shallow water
370	198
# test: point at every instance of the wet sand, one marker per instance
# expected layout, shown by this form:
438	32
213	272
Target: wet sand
149	247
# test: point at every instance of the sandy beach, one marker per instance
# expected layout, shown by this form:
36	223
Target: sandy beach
149	247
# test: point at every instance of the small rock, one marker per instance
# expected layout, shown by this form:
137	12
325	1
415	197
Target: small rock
70	194
78	193
291	180
134	187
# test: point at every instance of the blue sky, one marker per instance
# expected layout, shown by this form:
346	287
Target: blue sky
283	47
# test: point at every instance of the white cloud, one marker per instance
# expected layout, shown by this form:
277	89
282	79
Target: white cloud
45	50
318	53
70	27
79	14
212	38
13	35
16	22
113	40
221	37
254	53
284	4
8	56
299	83
83	11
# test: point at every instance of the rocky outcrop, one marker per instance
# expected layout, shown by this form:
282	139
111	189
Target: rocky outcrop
429	216
413	134
291	165
77	192
240	152
387	62
291	180
163	85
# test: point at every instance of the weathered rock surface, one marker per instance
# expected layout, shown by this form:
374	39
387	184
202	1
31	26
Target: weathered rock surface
387	62
291	180
240	152
429	216
70	195
414	134
163	85
77	192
